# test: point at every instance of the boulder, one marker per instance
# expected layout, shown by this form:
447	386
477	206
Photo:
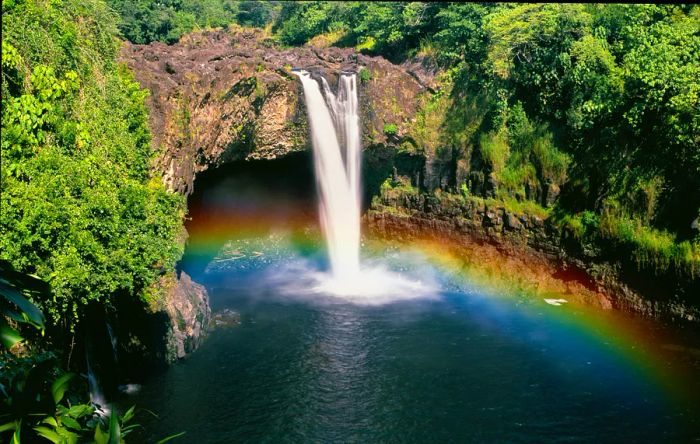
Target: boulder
512	222
187	306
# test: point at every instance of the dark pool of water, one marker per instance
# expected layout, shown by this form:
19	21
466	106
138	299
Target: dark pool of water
465	367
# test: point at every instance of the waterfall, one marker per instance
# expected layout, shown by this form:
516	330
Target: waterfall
112	341
96	396
335	136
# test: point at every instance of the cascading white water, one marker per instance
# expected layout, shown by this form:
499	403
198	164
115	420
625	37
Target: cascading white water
335	136
96	396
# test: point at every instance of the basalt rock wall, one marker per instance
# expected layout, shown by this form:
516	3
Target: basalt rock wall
610	283
222	96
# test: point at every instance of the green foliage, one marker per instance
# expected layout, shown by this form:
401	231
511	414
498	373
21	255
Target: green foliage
144	21
390	129
33	413
79	207
40	400
632	240
597	77
298	22
649	247
15	308
365	75
459	34
389	28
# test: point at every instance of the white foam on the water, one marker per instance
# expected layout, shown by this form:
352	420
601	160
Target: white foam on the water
374	286
379	282
556	302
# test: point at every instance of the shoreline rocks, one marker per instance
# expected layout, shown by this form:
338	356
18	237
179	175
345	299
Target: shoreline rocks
187	306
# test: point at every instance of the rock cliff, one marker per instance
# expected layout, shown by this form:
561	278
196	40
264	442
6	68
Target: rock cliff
187	307
404	213
222	96
219	97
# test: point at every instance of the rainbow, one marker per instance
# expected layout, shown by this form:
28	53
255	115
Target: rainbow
644	348
640	347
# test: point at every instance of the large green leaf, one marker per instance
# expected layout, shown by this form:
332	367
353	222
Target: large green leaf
8	426
171	437
114	430
12	287
49	434
128	415
15	436
26	281
8	335
71	423
80	410
60	385
13	295
100	436
50	421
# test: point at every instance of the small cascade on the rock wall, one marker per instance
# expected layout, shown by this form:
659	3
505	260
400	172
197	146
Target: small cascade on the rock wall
335	136
112	341
96	395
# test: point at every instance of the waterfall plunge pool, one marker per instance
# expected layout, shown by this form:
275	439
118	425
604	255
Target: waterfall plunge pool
458	360
395	343
459	363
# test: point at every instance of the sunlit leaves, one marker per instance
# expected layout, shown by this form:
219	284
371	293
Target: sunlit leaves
79	206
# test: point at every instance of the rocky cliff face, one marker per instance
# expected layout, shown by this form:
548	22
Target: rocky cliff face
404	213
189	314
220	96
151	337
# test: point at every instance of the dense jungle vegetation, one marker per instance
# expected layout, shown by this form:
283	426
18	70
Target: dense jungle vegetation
80	208
590	111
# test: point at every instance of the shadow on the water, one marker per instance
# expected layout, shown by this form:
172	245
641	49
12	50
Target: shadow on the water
249	199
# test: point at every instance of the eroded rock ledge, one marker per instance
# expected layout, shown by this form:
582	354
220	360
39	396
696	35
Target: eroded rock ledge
219	96
533	239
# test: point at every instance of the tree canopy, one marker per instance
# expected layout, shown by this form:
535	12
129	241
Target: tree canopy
80	207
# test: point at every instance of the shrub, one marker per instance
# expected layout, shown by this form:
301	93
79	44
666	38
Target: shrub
365	75
494	149
390	129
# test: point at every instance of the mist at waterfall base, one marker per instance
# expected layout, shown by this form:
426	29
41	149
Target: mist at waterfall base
427	356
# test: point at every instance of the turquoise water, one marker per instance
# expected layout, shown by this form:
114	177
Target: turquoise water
458	365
